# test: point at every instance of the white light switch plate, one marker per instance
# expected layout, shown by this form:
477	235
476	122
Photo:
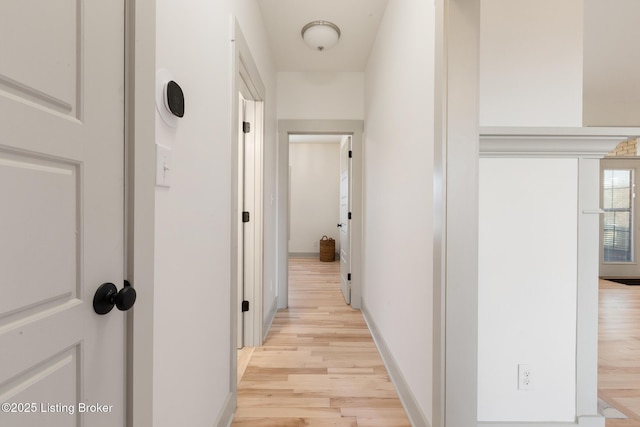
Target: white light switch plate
163	166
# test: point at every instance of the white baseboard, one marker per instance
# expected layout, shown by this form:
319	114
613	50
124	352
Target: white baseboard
304	254
411	407
228	409
592	421
266	325
584	421
309	255
415	414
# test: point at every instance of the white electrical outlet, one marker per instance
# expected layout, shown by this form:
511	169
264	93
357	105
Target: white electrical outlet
525	377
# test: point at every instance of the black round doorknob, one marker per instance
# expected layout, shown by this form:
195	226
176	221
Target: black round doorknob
108	295
126	297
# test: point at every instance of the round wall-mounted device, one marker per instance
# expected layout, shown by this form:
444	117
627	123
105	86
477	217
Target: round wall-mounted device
174	98
169	98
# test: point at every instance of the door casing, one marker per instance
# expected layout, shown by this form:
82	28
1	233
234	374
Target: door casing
140	166
248	83
456	163
345	222
319	127
250	235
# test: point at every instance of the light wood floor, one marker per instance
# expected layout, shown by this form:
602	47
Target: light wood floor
619	351
319	365
244	355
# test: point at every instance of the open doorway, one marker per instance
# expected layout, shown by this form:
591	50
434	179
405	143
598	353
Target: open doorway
300	236
619	226
619	294
320	202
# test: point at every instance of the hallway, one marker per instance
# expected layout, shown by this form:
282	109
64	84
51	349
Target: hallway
319	365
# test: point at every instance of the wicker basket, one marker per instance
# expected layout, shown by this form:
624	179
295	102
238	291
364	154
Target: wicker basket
327	249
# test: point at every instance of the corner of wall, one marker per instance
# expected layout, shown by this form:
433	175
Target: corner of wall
225	417
268	318
409	402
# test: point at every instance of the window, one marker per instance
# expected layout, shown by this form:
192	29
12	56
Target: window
618	195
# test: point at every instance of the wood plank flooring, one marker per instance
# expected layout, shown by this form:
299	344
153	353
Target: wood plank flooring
619	351
244	355
319	366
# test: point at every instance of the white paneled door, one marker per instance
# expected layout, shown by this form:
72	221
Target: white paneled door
345	226
61	212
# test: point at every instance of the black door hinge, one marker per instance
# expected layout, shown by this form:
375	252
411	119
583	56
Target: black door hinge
245	216
349	215
246	127
349	276
245	306
350	154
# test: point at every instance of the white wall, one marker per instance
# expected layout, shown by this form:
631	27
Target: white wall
192	237
531	61
611	63
321	95
527	288
192	291
398	196
315	195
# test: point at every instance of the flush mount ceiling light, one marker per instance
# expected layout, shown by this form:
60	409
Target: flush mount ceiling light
320	35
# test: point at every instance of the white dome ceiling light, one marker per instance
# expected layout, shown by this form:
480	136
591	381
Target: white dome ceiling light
320	35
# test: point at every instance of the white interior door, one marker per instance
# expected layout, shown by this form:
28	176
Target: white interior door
620	225
345	209
61	212
246	224
249	219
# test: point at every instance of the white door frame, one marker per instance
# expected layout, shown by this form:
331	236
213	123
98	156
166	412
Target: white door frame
247	81
346	143
140	187
250	236
456	165
319	127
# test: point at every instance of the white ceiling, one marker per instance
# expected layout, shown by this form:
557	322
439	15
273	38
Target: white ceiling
358	21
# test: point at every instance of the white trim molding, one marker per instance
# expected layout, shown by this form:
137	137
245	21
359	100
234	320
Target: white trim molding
411	407
306	255
266	325
552	142
140	204
585	421
455	297
247	81
225	417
